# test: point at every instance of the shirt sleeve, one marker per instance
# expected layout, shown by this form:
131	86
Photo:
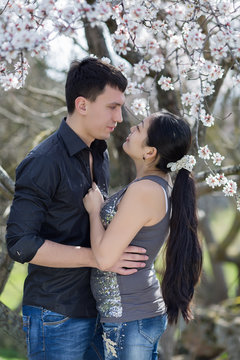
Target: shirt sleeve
36	183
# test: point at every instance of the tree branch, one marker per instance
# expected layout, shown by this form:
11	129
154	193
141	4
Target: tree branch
40	114
6	181
48	93
12	117
227	170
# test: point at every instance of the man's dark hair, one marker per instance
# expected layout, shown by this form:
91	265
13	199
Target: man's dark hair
88	78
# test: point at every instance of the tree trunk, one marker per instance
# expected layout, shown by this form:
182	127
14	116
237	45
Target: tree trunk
219	287
97	45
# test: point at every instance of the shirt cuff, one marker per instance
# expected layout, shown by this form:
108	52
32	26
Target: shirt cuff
25	248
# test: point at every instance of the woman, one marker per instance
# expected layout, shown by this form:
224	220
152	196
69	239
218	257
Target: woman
134	309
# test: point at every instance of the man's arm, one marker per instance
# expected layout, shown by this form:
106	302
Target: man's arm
36	183
62	256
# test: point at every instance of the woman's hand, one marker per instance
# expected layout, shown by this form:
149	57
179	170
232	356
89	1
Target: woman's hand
93	200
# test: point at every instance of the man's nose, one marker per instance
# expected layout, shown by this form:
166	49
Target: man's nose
118	116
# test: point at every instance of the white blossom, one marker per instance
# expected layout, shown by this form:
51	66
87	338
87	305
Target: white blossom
132	88
106	60
187	99
165	83
120	41
207	119
216	73
156	63
208	89
204	152
152	46
139	106
212	181
230	188
217	158
221	178
141	69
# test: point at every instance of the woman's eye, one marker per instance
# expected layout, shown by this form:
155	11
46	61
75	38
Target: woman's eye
138	127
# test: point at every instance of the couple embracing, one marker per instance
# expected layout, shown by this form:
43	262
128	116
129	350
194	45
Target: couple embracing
91	291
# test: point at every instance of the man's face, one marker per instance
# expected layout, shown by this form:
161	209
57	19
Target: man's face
103	114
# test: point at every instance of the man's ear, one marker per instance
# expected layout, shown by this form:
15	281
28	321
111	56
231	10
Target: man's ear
81	105
150	152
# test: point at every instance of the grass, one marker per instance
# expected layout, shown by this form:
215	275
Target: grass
9	354
12	297
12	294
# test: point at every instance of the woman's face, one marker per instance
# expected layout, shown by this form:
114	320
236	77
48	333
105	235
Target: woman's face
136	141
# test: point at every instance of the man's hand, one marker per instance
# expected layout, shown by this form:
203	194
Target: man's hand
134	257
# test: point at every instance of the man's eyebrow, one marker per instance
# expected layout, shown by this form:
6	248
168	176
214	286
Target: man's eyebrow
116	103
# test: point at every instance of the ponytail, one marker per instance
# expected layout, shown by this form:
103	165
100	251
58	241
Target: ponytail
183	250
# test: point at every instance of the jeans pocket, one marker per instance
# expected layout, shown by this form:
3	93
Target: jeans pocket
51	318
153	328
26	329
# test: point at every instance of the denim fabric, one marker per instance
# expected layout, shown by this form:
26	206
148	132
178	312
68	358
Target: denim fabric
52	336
133	340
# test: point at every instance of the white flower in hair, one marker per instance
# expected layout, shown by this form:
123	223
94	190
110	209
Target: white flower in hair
186	162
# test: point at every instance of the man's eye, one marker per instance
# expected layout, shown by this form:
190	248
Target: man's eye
138	127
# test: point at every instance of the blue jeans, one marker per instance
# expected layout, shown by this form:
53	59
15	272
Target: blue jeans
133	340
52	336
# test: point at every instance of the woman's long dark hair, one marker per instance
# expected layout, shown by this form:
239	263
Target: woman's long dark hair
171	136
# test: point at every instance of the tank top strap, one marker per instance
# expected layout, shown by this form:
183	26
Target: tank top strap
158	180
155	178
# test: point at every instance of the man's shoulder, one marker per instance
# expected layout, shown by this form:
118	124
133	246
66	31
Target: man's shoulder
49	146
47	153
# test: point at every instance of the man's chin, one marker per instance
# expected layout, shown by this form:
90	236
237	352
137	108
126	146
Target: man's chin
104	137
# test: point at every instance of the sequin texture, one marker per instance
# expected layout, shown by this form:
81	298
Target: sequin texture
104	284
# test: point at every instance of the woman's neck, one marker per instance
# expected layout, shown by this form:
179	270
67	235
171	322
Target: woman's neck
143	171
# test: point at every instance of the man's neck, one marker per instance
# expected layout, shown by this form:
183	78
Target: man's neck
75	124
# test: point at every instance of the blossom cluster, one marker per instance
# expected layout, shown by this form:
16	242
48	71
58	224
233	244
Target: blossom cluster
217	179
229	186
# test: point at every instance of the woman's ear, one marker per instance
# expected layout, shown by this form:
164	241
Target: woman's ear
81	105
150	152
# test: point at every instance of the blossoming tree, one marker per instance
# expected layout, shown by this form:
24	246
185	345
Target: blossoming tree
176	54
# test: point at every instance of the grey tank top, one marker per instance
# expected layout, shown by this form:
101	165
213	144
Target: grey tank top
122	298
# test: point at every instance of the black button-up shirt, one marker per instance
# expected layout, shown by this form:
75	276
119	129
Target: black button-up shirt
50	185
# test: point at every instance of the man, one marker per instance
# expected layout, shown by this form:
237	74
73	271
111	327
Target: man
48	225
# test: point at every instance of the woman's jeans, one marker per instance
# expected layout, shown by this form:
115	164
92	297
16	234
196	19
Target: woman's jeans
52	336
134	340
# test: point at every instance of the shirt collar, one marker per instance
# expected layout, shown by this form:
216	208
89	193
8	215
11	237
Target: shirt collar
74	143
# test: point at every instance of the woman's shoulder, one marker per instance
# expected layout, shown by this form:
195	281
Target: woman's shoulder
145	188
